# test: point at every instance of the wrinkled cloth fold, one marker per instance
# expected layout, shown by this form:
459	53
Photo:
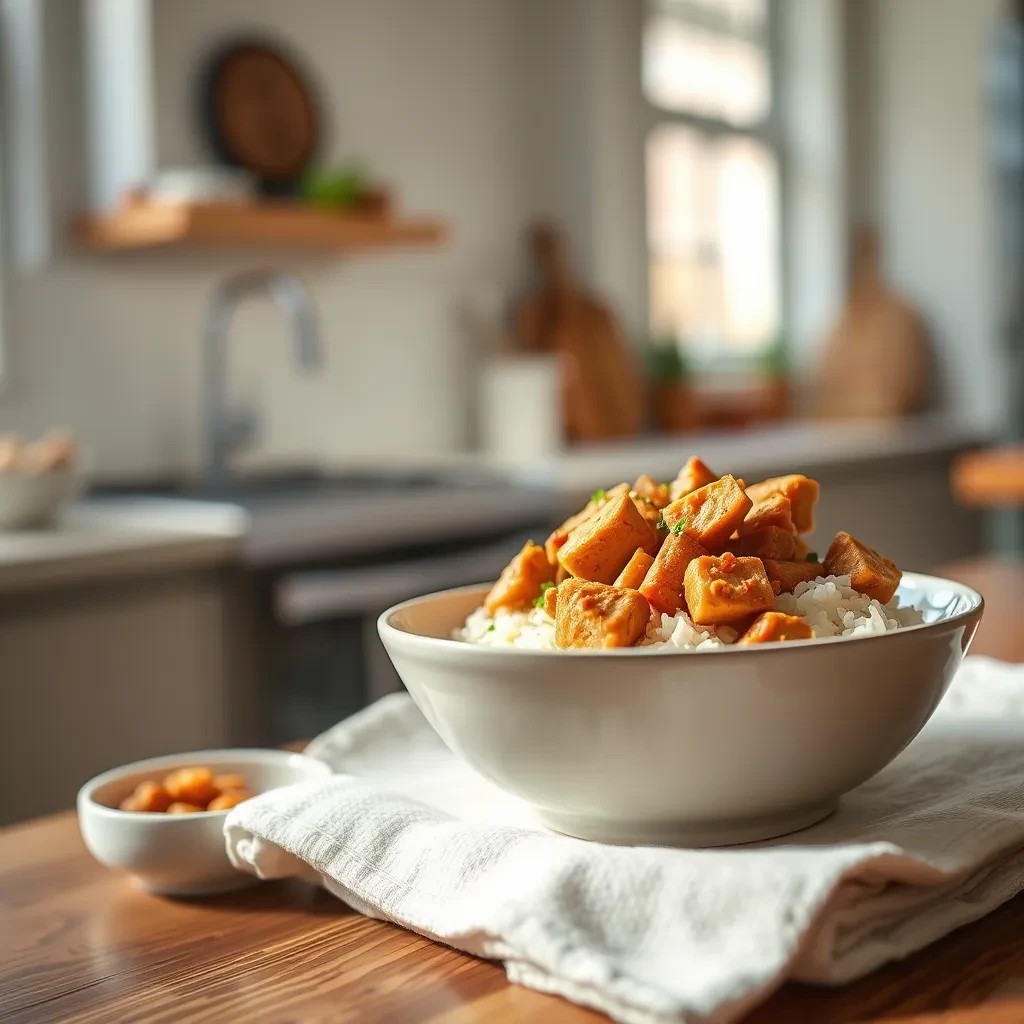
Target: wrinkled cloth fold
405	832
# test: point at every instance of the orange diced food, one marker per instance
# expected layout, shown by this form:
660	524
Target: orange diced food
801	491
693	475
600	548
771	542
870	573
774	626
148	796
520	583
784	575
649	490
229	781
598	500
550	600
663	584
191	786
801	550
184	807
228	799
709	514
775	510
726	589
593	615
635	571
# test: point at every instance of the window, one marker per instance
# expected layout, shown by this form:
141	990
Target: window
712	167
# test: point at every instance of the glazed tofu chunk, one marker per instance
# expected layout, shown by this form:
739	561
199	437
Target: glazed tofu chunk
600	548
648	489
869	572
636	569
709	514
771	542
592	615
772	627
801	491
775	510
598	501
693	475
663	584
784	575
726	589
521	582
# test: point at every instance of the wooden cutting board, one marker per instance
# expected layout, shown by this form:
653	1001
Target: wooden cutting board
878	358
601	388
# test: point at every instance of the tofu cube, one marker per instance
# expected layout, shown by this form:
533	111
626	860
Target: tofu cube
598	501
870	573
801	491
772	627
771	542
635	571
775	510
550	600
710	514
592	615
649	490
520	583
663	584
785	575
600	548
693	475
726	589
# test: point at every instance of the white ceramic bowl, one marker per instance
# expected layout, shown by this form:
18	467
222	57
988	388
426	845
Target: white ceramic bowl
681	748
34	499
179	854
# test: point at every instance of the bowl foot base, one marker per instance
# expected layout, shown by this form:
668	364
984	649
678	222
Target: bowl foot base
191	890
723	832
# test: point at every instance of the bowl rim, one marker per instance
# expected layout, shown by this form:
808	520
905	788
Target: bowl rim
255	755
390	633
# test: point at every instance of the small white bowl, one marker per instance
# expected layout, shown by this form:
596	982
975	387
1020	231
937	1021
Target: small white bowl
179	854
682	748
30	500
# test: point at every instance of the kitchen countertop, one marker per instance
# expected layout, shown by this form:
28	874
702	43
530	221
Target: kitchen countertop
81	944
100	541
806	446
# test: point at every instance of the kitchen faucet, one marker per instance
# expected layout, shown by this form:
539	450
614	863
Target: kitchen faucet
224	429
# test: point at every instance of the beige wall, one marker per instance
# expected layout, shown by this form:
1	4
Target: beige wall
919	169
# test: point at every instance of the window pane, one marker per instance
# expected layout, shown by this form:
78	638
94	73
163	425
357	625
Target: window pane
743	17
690	68
712	229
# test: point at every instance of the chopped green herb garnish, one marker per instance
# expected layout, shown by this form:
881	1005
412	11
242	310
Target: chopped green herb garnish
677	529
812	556
491	628
598	495
667	485
538	602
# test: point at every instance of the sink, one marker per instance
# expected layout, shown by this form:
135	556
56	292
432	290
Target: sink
291	485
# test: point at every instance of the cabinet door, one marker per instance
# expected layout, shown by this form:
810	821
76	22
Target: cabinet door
95	677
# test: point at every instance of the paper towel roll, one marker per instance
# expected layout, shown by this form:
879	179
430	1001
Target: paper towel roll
520	407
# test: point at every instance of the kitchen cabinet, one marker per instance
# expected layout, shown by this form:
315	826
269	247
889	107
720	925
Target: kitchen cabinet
101	673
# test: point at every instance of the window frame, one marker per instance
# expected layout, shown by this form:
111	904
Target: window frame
769	132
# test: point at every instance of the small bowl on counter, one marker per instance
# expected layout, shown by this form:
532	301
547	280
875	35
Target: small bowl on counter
179	854
37	479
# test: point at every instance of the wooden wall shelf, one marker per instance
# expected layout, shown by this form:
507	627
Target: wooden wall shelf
242	225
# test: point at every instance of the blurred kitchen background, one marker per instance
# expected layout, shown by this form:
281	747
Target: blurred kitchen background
336	301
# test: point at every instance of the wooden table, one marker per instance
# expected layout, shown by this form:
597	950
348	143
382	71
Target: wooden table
80	944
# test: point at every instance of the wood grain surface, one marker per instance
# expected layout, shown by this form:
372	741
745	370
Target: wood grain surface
80	944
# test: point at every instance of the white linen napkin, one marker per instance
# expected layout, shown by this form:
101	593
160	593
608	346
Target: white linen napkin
407	833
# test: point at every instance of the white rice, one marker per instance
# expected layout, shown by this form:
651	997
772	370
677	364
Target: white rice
829	604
